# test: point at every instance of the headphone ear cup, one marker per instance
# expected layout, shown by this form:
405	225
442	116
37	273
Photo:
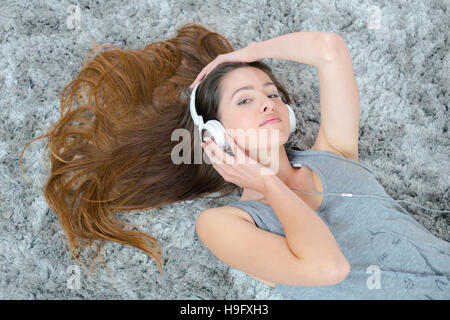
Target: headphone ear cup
292	119
217	132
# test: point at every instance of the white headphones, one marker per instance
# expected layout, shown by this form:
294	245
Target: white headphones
216	129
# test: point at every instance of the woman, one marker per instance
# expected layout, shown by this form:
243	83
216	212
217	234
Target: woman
304	244
113	152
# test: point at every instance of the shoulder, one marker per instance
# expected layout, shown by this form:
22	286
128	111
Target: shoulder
231	210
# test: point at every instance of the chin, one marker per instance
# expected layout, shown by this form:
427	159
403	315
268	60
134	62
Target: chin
269	137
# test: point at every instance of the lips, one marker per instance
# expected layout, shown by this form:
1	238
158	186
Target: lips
272	117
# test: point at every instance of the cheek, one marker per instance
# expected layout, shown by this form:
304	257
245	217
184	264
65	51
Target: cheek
238	120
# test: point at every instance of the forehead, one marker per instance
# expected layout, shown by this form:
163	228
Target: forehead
243	76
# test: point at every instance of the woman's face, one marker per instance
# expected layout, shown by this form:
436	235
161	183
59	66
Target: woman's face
242	111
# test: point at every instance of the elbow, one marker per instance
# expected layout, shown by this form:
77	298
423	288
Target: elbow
332	46
342	272
335	273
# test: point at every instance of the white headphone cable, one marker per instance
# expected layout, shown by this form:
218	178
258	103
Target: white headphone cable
358	195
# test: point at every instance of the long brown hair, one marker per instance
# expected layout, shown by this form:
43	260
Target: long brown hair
111	149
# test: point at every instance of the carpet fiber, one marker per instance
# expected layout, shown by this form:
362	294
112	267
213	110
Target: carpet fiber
401	61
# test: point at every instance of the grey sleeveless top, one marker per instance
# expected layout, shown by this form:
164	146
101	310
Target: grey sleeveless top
391	255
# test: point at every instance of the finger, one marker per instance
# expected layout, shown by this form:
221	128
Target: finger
220	156
237	151
196	79
241	155
193	84
207	146
224	157
213	160
203	74
212	150
230	141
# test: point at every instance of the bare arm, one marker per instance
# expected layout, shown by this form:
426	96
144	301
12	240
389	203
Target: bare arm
308	237
311	48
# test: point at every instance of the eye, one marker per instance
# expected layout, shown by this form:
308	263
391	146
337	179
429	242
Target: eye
242	101
274	94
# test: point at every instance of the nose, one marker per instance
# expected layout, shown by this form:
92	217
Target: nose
268	105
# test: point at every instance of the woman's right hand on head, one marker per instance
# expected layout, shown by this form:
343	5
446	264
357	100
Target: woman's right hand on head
240	55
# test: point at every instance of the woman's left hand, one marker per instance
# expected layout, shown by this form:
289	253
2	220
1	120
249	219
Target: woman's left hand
240	169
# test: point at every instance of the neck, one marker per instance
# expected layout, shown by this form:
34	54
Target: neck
277	160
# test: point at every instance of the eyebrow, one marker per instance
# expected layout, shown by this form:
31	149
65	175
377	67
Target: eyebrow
250	87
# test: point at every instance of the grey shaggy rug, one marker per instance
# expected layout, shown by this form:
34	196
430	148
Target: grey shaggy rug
401	62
